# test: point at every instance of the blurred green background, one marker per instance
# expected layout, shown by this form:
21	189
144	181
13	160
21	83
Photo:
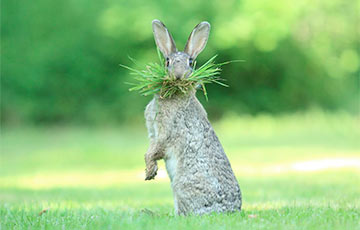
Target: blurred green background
60	61
73	137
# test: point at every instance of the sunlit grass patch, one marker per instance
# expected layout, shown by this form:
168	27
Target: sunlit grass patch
295	172
271	202
110	178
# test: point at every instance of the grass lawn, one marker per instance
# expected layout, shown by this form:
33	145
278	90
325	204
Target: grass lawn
298	171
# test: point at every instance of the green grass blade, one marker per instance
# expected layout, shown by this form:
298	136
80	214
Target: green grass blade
154	79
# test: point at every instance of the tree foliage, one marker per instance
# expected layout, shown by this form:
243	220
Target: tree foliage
60	60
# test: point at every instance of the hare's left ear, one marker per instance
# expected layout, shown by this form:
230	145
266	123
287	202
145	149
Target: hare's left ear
198	39
163	38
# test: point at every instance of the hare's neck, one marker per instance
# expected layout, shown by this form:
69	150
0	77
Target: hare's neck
179	100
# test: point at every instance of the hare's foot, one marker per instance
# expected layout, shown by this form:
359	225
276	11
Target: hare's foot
151	171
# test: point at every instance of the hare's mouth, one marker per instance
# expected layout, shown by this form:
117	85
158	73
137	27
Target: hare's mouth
182	74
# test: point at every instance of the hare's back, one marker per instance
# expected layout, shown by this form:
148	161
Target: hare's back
206	185
205	168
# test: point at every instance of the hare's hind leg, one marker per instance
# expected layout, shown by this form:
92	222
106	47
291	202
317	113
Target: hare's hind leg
190	201
181	207
185	205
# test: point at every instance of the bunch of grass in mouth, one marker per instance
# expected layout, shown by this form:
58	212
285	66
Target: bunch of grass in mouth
155	79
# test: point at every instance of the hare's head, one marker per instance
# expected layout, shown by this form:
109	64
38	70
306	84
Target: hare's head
178	63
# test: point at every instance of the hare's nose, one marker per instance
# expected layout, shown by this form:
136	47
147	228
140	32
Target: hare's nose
178	72
178	76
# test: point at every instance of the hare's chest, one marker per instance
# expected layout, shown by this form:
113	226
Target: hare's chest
151	122
171	162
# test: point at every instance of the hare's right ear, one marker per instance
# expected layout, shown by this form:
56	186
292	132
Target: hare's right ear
197	40
163	38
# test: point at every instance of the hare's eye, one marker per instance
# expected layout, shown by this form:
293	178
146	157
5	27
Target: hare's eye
190	62
167	62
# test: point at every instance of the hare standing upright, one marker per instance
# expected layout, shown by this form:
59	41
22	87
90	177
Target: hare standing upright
180	133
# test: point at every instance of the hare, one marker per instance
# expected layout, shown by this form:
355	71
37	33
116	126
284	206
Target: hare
180	133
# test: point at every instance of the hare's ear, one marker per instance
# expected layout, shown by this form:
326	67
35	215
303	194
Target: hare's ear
163	38
197	40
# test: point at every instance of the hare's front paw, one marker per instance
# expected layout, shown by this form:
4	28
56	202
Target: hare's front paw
151	171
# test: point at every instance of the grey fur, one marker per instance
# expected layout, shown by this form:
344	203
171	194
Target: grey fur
180	133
